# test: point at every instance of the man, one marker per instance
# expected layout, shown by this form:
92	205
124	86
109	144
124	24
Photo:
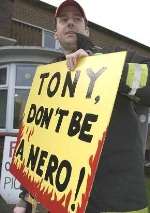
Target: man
119	181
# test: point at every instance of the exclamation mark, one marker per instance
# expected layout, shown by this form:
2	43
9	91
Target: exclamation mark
81	177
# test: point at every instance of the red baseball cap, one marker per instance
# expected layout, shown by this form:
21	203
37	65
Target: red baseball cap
70	3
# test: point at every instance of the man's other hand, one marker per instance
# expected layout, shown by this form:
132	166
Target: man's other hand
18	209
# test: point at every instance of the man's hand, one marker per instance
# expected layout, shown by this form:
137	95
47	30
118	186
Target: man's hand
72	59
18	209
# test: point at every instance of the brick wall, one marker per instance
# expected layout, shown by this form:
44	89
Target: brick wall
104	38
33	12
41	14
26	34
6	8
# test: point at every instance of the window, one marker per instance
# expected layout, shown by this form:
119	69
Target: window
24	77
29	34
3	96
3	106
49	40
15	83
3	76
21	96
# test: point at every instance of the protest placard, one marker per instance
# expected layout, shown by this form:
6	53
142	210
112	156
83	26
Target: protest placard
64	128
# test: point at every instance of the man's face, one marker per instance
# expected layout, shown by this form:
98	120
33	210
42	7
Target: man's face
68	24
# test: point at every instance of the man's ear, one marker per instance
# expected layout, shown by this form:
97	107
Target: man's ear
87	31
55	35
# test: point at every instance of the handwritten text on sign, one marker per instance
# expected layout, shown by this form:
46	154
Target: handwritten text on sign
64	125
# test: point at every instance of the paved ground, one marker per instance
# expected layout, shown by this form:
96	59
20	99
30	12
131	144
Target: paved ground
4	207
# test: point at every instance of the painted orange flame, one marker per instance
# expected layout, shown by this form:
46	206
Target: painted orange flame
30	134
42	195
49	199
93	162
19	136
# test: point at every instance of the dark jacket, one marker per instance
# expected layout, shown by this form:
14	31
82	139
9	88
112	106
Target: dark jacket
119	181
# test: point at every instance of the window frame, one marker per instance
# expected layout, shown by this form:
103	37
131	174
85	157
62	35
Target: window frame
11	87
19	88
57	45
5	87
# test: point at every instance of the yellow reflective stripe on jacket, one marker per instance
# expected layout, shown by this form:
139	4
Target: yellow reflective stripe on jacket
141	211
136	77
144	75
130	75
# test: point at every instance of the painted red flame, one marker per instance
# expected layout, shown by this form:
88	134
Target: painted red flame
30	134
93	162
19	136
49	199
27	130
42	195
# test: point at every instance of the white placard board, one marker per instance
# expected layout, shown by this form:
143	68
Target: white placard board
9	185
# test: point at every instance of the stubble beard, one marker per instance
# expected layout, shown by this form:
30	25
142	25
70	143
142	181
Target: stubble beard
69	46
